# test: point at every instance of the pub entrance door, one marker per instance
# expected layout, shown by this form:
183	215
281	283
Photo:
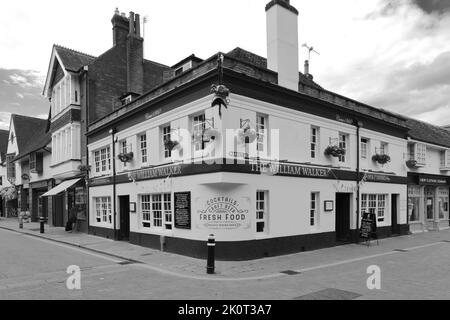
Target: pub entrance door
343	211
124	232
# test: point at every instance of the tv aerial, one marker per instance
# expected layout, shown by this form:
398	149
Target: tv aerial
310	49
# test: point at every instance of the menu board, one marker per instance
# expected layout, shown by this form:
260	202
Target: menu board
368	227
183	215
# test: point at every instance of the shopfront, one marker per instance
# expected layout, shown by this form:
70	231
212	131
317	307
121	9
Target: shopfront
428	202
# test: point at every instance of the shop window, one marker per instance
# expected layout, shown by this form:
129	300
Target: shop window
103	209
443	199
429	202
375	204
414	197
156	211
80	202
262	211
315	138
314	209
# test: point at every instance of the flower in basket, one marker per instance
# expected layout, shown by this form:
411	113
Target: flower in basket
411	163
211	134
247	133
126	157
84	168
221	94
9	193
170	144
381	158
335	151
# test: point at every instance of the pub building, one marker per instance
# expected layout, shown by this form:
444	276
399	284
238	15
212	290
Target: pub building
428	177
278	165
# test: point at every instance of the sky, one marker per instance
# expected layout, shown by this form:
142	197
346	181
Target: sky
391	54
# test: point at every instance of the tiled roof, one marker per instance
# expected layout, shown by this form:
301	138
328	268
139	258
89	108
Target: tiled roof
261	62
4	135
73	60
429	133
30	134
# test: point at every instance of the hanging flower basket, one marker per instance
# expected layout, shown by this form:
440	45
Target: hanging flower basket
335	151
9	193
170	144
247	135
381	158
126	157
211	134
25	176
84	168
221	94
411	164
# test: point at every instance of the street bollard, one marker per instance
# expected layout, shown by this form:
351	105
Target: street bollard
211	254
20	222
42	222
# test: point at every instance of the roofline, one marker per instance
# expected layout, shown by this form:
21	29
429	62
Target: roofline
191	57
20	157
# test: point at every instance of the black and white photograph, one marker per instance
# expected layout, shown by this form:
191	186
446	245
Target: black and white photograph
224	156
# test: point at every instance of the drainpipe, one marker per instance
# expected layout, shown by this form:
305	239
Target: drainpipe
113	132
358	176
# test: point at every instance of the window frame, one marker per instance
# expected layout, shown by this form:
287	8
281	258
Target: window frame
377	204
166	131
156	211
314	212
143	151
344	140
365	148
103	209
262	128
102	160
264	210
314	141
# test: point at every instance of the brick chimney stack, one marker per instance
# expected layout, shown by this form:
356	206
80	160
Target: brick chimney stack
120	28
135	56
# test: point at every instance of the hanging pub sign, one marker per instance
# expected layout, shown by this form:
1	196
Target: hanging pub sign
183	217
368	227
224	213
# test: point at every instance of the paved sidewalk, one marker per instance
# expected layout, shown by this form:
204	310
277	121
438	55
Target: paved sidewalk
258	269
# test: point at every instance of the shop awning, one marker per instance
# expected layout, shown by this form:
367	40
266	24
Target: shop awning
61	188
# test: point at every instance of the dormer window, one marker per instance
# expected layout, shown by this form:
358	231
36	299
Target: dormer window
127	100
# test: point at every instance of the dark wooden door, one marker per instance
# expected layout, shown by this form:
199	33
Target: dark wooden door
124	232
58	212
343	217
394	214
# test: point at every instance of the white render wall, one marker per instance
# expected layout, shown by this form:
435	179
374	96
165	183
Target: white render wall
289	200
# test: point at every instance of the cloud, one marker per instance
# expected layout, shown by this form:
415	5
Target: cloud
20	92
396	56
5	118
433	6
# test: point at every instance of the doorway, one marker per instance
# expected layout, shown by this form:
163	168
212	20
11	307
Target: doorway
124	232
343	211
394	214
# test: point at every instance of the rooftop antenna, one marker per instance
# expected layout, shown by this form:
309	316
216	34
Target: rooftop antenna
310	49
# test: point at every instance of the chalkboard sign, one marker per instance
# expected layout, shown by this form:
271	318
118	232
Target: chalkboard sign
369	227
183	210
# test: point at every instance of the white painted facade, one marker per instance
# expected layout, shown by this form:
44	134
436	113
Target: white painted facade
428	205
288	200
